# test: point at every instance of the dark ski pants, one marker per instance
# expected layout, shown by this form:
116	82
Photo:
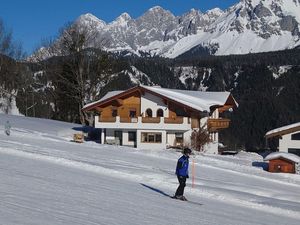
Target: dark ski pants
180	189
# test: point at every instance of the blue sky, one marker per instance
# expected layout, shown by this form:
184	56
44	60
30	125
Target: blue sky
33	20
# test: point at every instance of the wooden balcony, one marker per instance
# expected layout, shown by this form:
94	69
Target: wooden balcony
107	119
181	123
128	119
150	119
195	123
217	124
177	120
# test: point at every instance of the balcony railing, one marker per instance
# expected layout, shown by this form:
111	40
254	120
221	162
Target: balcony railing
128	120
179	123
107	119
150	119
195	123
143	123
177	120
217	124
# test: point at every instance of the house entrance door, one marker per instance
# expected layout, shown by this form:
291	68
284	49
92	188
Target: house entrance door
119	137
134	137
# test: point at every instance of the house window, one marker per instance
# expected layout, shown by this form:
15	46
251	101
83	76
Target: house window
151	137
149	113
132	113
158	138
295	151
296	136
179	138
114	112
131	136
160	113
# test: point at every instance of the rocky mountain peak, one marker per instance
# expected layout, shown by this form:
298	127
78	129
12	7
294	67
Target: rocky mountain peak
194	11
157	12
121	20
190	22
89	18
156	9
214	12
124	17
265	18
191	15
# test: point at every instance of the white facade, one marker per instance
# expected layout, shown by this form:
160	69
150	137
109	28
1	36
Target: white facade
289	138
149	101
167	138
286	143
168	132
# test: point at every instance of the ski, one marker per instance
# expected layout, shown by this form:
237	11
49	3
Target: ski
185	200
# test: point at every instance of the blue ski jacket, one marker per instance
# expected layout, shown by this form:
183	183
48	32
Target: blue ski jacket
182	168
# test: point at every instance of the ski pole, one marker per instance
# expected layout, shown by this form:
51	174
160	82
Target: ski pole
193	172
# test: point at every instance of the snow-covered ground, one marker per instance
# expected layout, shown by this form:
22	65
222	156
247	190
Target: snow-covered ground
47	179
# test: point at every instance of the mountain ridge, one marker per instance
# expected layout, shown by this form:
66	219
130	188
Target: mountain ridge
249	26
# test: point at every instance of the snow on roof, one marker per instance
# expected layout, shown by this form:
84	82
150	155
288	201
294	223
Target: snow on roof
108	95
281	129
196	99
277	155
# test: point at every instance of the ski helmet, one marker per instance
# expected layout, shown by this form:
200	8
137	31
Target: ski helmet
187	151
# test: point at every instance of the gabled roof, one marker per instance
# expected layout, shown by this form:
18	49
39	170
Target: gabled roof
197	100
283	130
107	96
284	155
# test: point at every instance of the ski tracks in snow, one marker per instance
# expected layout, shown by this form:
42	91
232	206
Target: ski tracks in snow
159	177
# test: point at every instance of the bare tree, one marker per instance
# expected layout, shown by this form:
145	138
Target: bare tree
5	40
200	138
10	69
81	71
76	42
8	46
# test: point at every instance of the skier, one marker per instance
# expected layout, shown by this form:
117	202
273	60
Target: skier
182	172
7	128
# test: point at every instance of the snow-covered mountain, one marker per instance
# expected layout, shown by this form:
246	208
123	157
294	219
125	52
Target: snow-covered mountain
248	26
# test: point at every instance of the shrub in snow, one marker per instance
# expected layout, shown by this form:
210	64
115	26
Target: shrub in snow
200	138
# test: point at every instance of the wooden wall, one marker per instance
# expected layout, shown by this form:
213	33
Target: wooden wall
281	166
132	102
123	107
172	113
106	111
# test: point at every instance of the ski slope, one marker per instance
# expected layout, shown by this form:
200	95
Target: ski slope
47	179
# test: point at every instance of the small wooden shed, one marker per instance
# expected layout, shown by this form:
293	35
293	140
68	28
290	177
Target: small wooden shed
282	162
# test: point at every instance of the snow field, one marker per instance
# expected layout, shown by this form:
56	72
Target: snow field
46	179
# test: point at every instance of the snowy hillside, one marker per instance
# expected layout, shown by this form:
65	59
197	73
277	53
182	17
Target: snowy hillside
249	26
47	179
